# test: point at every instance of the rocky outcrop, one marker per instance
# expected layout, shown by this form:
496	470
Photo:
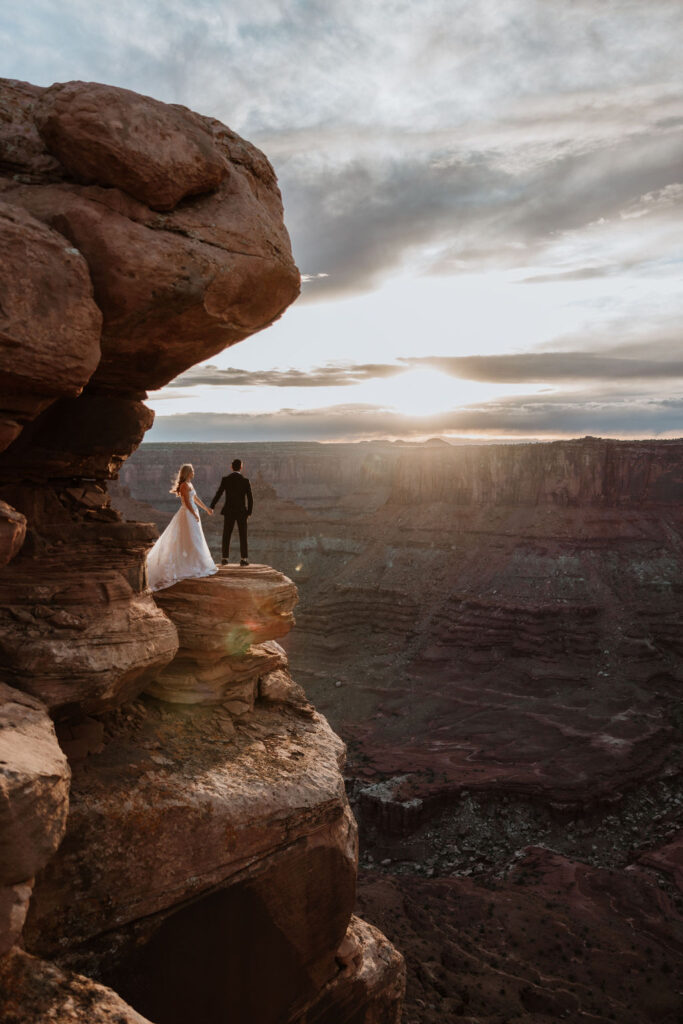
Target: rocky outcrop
166	156
12	532
217	829
224	623
110	288
225	800
34	801
33	992
175	284
50	334
527	594
143	237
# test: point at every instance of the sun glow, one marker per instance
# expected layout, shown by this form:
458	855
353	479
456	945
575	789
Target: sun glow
427	392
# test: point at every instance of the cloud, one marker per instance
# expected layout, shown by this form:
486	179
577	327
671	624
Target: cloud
535	416
521	368
320	377
550	367
453	134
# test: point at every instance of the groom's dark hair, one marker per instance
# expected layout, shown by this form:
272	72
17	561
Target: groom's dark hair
237	465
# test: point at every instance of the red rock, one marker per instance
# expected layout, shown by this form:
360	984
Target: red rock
512	621
184	820
34	992
278	687
172	808
34	787
49	343
159	153
370	988
668	859
22	151
89	436
552	937
14	900
174	287
231	681
12	532
78	631
222	623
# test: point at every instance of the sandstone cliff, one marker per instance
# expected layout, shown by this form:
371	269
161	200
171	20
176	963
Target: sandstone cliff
175	823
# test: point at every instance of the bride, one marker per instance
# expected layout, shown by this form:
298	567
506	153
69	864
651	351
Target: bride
181	552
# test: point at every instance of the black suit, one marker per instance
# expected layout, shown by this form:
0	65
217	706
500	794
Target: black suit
239	504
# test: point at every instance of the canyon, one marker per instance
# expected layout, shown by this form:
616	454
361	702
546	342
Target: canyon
176	841
497	633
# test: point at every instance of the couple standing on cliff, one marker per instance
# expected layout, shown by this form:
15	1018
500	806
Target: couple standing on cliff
181	552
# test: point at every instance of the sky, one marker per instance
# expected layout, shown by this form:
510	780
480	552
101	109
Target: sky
485	199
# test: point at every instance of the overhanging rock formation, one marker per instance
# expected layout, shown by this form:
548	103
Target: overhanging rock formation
209	859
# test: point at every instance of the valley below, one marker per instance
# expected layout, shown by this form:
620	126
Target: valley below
496	632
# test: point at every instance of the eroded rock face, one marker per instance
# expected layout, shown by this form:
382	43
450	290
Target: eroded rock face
34	800
174	287
14	900
33	992
216	801
78	629
224	623
112	289
196	836
12	532
50	334
34	787
155	152
371	985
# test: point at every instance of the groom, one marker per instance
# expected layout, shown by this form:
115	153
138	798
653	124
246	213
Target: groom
238	507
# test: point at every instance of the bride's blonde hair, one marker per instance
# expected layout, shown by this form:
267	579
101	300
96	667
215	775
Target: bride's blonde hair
183	474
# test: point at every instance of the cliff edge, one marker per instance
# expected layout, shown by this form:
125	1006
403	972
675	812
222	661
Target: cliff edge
174	821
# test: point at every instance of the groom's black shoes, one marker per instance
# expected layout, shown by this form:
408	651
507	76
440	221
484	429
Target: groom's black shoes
225	561
243	561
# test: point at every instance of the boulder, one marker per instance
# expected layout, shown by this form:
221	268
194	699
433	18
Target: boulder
370	986
34	992
157	152
175	284
14	901
233	682
50	334
12	532
77	628
227	624
184	802
34	787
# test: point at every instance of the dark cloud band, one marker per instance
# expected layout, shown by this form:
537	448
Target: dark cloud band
523	368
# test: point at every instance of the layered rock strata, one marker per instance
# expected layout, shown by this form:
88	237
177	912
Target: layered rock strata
528	595
33	992
34	802
111	288
217	829
142	237
226	627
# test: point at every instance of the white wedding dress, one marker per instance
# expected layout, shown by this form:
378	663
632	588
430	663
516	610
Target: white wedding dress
181	552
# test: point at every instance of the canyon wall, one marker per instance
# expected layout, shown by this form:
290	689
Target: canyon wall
496	632
176	838
530	594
